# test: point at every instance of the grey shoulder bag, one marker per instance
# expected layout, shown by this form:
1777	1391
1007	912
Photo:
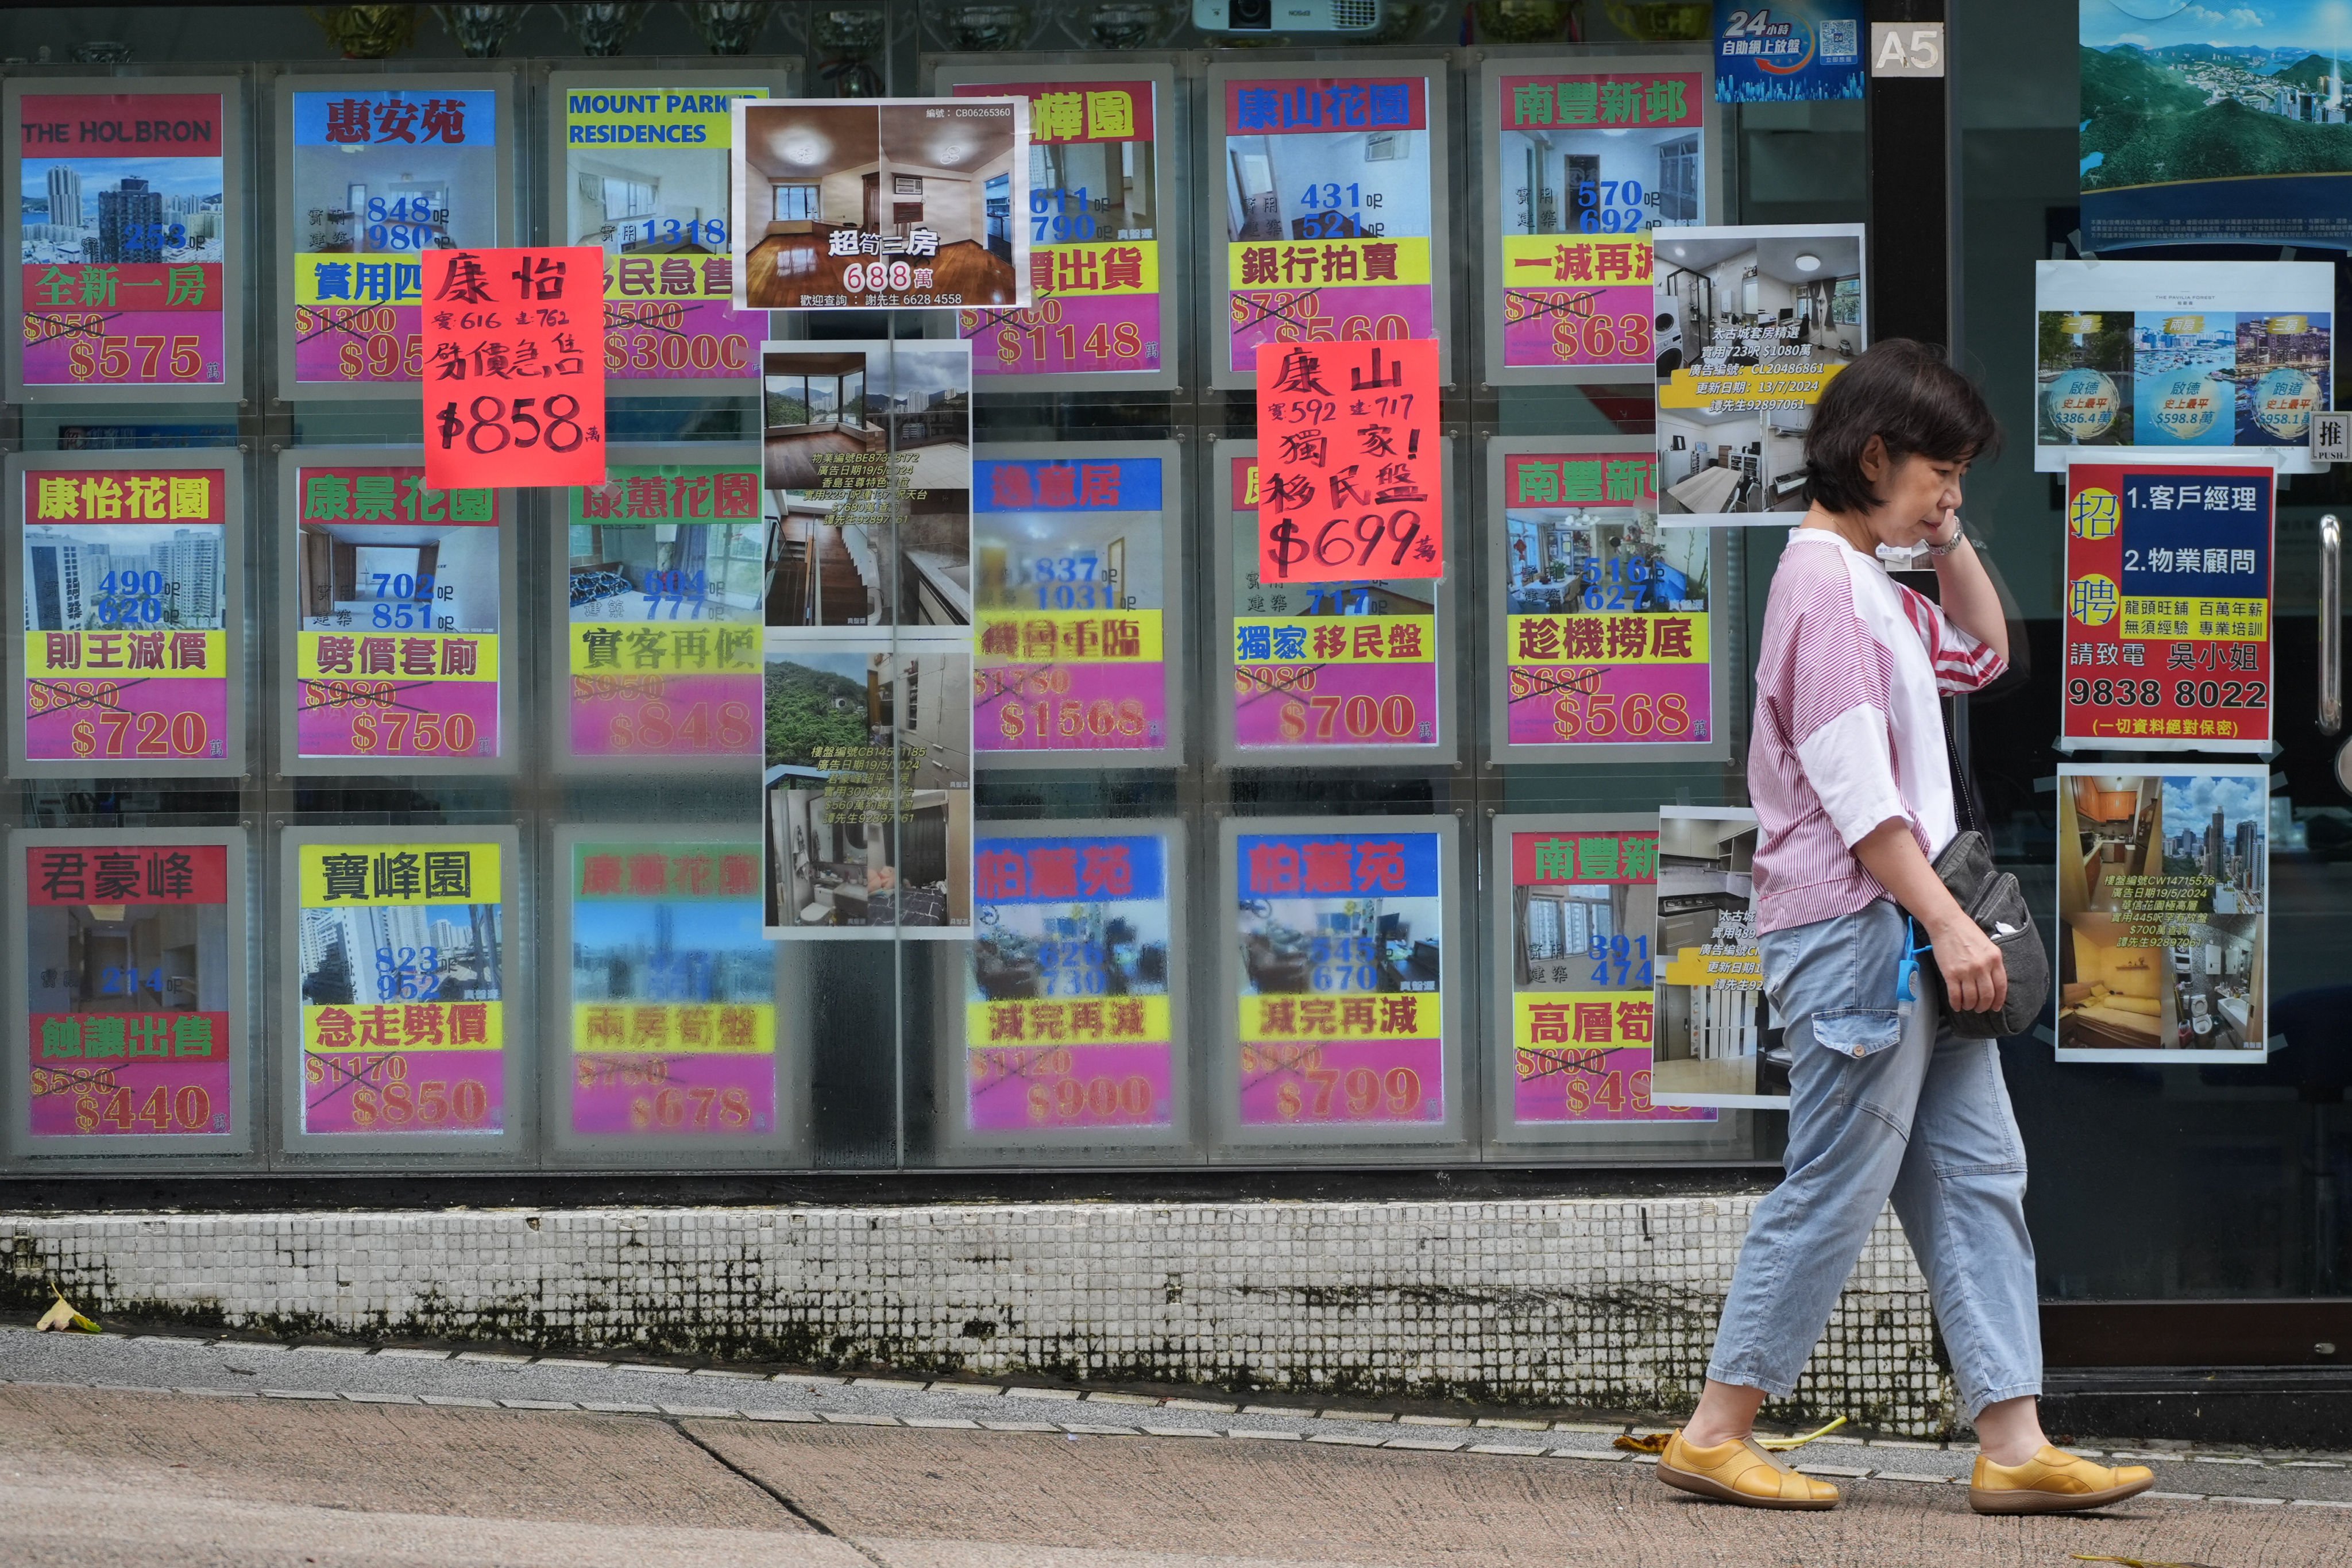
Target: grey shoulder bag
1995	901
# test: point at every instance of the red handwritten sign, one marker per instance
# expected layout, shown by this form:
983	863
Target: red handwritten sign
514	373
1350	486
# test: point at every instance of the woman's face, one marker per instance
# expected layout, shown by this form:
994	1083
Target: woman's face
1919	494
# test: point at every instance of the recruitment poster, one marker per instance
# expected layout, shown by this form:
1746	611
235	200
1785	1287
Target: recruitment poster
1582	167
2163	901
129	614
2152	358
1317	673
133	1032
659	618
2213	125
1605	646
1712	1045
1078	605
1348	480
670	1026
1793	52
398	596
2167	622
880	202
1070	1015
1341	931
1580	904
1751	324
129	197
644	172
1104	267
1333	204
400	941
372	172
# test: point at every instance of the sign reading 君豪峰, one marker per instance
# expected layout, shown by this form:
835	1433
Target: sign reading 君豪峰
662	631
1067	1013
127	219
402	988
673	991
1349	487
133	1002
514	390
2169	607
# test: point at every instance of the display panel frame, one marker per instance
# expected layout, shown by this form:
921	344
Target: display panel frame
244	1035
235	590
237	210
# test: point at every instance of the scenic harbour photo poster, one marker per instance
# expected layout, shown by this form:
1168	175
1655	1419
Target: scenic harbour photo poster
2215	124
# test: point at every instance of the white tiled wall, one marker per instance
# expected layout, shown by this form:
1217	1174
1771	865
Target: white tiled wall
1608	1303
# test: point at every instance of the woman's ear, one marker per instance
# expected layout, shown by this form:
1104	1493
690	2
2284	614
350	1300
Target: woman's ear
1874	462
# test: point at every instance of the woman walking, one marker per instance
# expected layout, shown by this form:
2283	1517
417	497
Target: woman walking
1853	792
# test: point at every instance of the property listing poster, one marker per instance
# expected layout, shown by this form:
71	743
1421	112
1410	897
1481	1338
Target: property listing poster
870	204
2163	901
673	991
1583	975
2146	358
1712	1045
1791	52
1068	1021
1096	220
1349	482
371	178
1330	207
1074	637
662	619
402	950
1346	670
398	593
647	170
1751	324
1341	931
2169	607
2213	125
126	576
133	1009
1606	637
1584	166
126	212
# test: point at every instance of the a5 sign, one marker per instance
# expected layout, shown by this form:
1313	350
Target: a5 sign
129	619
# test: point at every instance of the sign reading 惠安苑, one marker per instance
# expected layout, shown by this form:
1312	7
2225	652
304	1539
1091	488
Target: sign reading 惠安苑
661	623
1097	222
398	592
126	623
646	168
133	958
2169	607
1583	166
129	210
402	988
371	179
1348	476
1072	605
673	991
1583	1010
1332	208
514	390
1068	1011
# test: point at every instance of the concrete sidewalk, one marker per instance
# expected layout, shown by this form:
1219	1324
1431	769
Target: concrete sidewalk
122	1476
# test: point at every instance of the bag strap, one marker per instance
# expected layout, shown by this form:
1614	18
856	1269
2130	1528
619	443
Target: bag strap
1964	799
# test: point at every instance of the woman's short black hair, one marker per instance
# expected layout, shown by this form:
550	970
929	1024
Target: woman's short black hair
1903	392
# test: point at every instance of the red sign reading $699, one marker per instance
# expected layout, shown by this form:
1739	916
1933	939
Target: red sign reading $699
1348	467
514	372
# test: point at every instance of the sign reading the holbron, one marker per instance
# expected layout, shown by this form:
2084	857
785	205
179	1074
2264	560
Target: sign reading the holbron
126	225
512	396
403	987
876	203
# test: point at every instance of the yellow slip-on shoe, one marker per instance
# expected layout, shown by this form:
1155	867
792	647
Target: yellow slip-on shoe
2053	1482
1743	1473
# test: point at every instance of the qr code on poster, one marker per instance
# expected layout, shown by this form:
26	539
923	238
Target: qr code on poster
1841	40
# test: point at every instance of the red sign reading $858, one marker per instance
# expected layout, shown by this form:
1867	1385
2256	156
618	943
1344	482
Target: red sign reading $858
514	371
1349	475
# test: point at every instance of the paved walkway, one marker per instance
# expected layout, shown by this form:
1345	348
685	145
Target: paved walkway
123	1451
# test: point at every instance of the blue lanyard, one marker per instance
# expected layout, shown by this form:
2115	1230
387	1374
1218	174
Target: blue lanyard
1907	970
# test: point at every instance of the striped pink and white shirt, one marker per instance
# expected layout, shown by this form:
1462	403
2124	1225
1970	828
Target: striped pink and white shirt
1849	732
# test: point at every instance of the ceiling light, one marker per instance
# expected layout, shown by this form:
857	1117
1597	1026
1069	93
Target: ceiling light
1808	262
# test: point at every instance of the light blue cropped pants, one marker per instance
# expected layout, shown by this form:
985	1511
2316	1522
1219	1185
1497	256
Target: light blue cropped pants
1880	1107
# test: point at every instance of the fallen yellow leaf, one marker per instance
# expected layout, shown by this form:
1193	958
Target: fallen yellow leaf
2137	1562
62	1318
